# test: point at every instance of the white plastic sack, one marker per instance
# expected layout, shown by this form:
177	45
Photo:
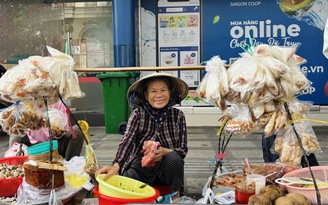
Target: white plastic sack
14	149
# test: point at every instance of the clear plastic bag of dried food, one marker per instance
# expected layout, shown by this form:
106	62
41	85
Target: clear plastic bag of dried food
308	137
12	120
17	119
201	89
291	151
299	109
69	86
241	121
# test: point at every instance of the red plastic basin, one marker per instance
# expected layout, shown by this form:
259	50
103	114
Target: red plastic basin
8	187
105	200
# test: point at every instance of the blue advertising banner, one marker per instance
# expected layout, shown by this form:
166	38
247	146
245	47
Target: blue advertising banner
230	23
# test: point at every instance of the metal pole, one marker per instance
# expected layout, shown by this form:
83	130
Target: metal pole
124	13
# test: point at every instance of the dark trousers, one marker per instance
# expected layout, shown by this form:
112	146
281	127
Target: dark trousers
169	171
268	142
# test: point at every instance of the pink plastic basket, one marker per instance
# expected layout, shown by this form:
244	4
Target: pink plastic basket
319	172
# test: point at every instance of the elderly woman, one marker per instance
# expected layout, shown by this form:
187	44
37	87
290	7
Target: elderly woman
154	120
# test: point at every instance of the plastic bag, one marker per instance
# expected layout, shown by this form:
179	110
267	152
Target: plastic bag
69	86
245	81
58	119
308	137
58	122
54	199
75	173
291	151
277	145
264	119
184	200
241	123
36	77
271	170
281	120
214	86
29	194
149	148
18	118
258	110
274	69
269	128
201	89
15	149
208	197
299	109
25	82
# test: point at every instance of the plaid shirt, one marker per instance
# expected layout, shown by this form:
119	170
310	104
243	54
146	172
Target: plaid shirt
172	134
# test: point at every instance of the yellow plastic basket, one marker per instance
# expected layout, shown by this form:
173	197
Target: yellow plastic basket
124	187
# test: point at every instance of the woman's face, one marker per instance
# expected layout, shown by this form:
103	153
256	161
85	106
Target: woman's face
158	94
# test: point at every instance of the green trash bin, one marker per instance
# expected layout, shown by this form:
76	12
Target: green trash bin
116	107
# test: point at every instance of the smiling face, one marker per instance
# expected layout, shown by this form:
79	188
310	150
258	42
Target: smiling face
158	93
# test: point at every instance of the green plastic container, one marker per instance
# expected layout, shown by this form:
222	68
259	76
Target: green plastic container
116	107
42	148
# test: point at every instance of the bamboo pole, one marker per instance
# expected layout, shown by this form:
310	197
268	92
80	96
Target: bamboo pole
122	69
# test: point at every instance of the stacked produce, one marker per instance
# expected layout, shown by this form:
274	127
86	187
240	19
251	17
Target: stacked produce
258	86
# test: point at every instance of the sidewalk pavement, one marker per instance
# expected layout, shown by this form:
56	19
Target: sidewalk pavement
203	144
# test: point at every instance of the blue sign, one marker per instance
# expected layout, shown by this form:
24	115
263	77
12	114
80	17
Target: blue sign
230	23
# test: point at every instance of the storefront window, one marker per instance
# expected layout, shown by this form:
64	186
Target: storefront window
81	29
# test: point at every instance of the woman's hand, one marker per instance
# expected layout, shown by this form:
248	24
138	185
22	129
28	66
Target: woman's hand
108	170
160	153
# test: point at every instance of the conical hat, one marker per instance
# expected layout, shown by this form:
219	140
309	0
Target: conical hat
176	84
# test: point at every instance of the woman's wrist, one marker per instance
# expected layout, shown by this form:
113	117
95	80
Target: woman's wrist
116	166
166	151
